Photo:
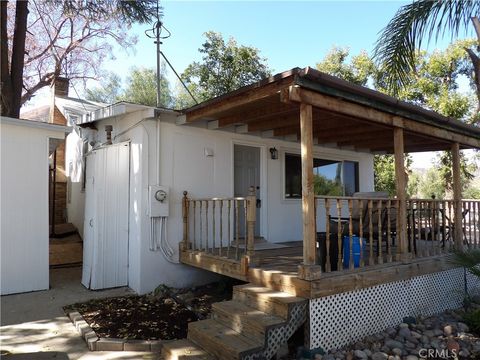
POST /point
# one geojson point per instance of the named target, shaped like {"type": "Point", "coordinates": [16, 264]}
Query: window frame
{"type": "Point", "coordinates": [318, 156]}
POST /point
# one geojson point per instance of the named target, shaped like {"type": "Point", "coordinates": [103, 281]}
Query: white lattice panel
{"type": "Point", "coordinates": [340, 319]}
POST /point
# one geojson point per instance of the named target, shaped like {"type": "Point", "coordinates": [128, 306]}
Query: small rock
{"type": "Point", "coordinates": [359, 354]}
{"type": "Point", "coordinates": [429, 333]}
{"type": "Point", "coordinates": [394, 344]}
{"type": "Point", "coordinates": [397, 351]}
{"type": "Point", "coordinates": [452, 345]}
{"type": "Point", "coordinates": [379, 356]}
{"type": "Point", "coordinates": [391, 331]}
{"type": "Point", "coordinates": [368, 352]}
{"type": "Point", "coordinates": [409, 320]}
{"type": "Point", "coordinates": [415, 334]}
{"type": "Point", "coordinates": [410, 345]}
{"type": "Point", "coordinates": [437, 332]}
{"type": "Point", "coordinates": [403, 326]}
{"type": "Point", "coordinates": [464, 353]}
{"type": "Point", "coordinates": [319, 357]}
{"type": "Point", "coordinates": [462, 327]}
{"type": "Point", "coordinates": [404, 332]}
{"type": "Point", "coordinates": [359, 346]}
{"type": "Point", "coordinates": [411, 357]}
{"type": "Point", "coordinates": [447, 330]}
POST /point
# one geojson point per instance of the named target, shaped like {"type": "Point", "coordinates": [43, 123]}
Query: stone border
{"type": "Point", "coordinates": [95, 343]}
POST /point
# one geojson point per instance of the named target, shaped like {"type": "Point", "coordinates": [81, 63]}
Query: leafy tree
{"type": "Point", "coordinates": [109, 90]}
{"type": "Point", "coordinates": [225, 66]}
{"type": "Point", "coordinates": [142, 88]}
{"type": "Point", "coordinates": [46, 39]}
{"type": "Point", "coordinates": [400, 40]}
{"type": "Point", "coordinates": [360, 69]}
{"type": "Point", "coordinates": [431, 185]}
{"type": "Point", "coordinates": [328, 187]}
{"type": "Point", "coordinates": [434, 86]}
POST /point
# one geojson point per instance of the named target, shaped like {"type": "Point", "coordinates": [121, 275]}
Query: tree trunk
{"type": "Point", "coordinates": [18, 56]}
{"type": "Point", "coordinates": [6, 85]}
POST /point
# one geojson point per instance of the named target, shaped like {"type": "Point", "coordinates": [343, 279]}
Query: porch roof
{"type": "Point", "coordinates": [344, 115]}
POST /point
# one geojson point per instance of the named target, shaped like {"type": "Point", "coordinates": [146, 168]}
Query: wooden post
{"type": "Point", "coordinates": [184, 245]}
{"type": "Point", "coordinates": [400, 185]}
{"type": "Point", "coordinates": [251, 218]}
{"type": "Point", "coordinates": [457, 196]}
{"type": "Point", "coordinates": [309, 270]}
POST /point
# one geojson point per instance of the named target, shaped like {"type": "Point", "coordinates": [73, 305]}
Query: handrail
{"type": "Point", "coordinates": [217, 226]}
{"type": "Point", "coordinates": [217, 199]}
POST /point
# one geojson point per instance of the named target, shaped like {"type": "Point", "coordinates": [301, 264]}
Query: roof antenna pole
{"type": "Point", "coordinates": [158, 26]}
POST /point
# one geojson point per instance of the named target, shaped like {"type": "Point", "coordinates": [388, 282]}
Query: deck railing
{"type": "Point", "coordinates": [222, 227]}
{"type": "Point", "coordinates": [358, 232]}
{"type": "Point", "coordinates": [354, 232]}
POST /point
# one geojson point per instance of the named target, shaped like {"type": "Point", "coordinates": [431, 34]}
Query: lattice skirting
{"type": "Point", "coordinates": [340, 319]}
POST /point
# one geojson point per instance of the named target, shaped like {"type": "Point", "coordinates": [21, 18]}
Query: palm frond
{"type": "Point", "coordinates": [413, 23]}
{"type": "Point", "coordinates": [469, 260]}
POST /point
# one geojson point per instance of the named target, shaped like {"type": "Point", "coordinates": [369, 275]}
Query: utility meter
{"type": "Point", "coordinates": [160, 195]}
{"type": "Point", "coordinates": [158, 201]}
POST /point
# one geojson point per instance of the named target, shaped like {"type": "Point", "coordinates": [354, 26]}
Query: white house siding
{"type": "Point", "coordinates": [24, 204]}
{"type": "Point", "coordinates": [184, 166]}
{"type": "Point", "coordinates": [74, 172]}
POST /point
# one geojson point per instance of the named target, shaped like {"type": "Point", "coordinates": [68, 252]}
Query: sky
{"type": "Point", "coordinates": [288, 33]}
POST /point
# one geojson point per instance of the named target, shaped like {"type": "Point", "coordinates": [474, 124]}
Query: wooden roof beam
{"type": "Point", "coordinates": [347, 135]}
{"type": "Point", "coordinates": [257, 114]}
{"type": "Point", "coordinates": [297, 94]}
{"type": "Point", "coordinates": [211, 109]}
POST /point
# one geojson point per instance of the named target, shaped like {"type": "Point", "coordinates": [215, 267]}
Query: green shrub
{"type": "Point", "coordinates": [472, 319]}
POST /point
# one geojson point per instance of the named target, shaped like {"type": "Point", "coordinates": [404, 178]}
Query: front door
{"type": "Point", "coordinates": [246, 174]}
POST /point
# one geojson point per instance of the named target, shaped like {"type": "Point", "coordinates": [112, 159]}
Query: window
{"type": "Point", "coordinates": [331, 177]}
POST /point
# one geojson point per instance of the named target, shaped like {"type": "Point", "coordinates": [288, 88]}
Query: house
{"type": "Point", "coordinates": [25, 149]}
{"type": "Point", "coordinates": [273, 184]}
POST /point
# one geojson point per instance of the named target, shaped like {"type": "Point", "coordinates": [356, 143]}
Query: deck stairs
{"type": "Point", "coordinates": [253, 325]}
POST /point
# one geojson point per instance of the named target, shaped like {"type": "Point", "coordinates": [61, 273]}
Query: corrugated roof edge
{"type": "Point", "coordinates": [405, 108]}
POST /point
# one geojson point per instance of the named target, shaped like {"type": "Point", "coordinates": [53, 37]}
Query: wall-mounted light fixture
{"type": "Point", "coordinates": [273, 153]}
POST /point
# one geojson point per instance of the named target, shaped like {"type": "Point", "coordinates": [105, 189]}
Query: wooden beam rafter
{"type": "Point", "coordinates": [359, 111]}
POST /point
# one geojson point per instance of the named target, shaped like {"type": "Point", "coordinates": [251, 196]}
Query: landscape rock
{"type": "Point", "coordinates": [379, 356]}
{"type": "Point", "coordinates": [359, 354]}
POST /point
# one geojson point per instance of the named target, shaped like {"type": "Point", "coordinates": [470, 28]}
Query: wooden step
{"type": "Point", "coordinates": [244, 319]}
{"type": "Point", "coordinates": [222, 341]}
{"type": "Point", "coordinates": [266, 300]}
{"type": "Point", "coordinates": [184, 350]}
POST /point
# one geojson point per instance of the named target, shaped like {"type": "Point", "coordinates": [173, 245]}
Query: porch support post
{"type": "Point", "coordinates": [457, 196]}
{"type": "Point", "coordinates": [400, 185]}
{"type": "Point", "coordinates": [309, 270]}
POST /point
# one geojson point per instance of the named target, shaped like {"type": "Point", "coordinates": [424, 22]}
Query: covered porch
{"type": "Point", "coordinates": [348, 242]}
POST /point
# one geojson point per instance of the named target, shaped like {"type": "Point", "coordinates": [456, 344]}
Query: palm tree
{"type": "Point", "coordinates": [423, 19]}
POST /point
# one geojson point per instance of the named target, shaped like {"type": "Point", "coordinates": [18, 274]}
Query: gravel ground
{"type": "Point", "coordinates": [443, 336]}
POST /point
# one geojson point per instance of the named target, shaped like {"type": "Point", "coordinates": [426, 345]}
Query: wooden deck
{"type": "Point", "coordinates": [277, 269]}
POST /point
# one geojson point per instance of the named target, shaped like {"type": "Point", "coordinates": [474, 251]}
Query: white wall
{"type": "Point", "coordinates": [184, 166]}
{"type": "Point", "coordinates": [24, 206]}
{"type": "Point", "coordinates": [74, 172]}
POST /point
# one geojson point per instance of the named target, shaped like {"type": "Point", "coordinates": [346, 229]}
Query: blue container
{"type": "Point", "coordinates": [358, 246]}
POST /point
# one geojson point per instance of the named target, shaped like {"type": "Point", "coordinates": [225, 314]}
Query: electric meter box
{"type": "Point", "coordinates": [158, 200]}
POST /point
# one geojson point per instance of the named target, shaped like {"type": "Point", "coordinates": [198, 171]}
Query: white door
{"type": "Point", "coordinates": [247, 173]}
{"type": "Point", "coordinates": [106, 218]}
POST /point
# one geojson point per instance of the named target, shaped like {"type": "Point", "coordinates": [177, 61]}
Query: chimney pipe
{"type": "Point", "coordinates": [108, 130]}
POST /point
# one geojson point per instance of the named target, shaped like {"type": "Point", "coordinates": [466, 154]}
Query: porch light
{"type": "Point", "coordinates": [273, 153]}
